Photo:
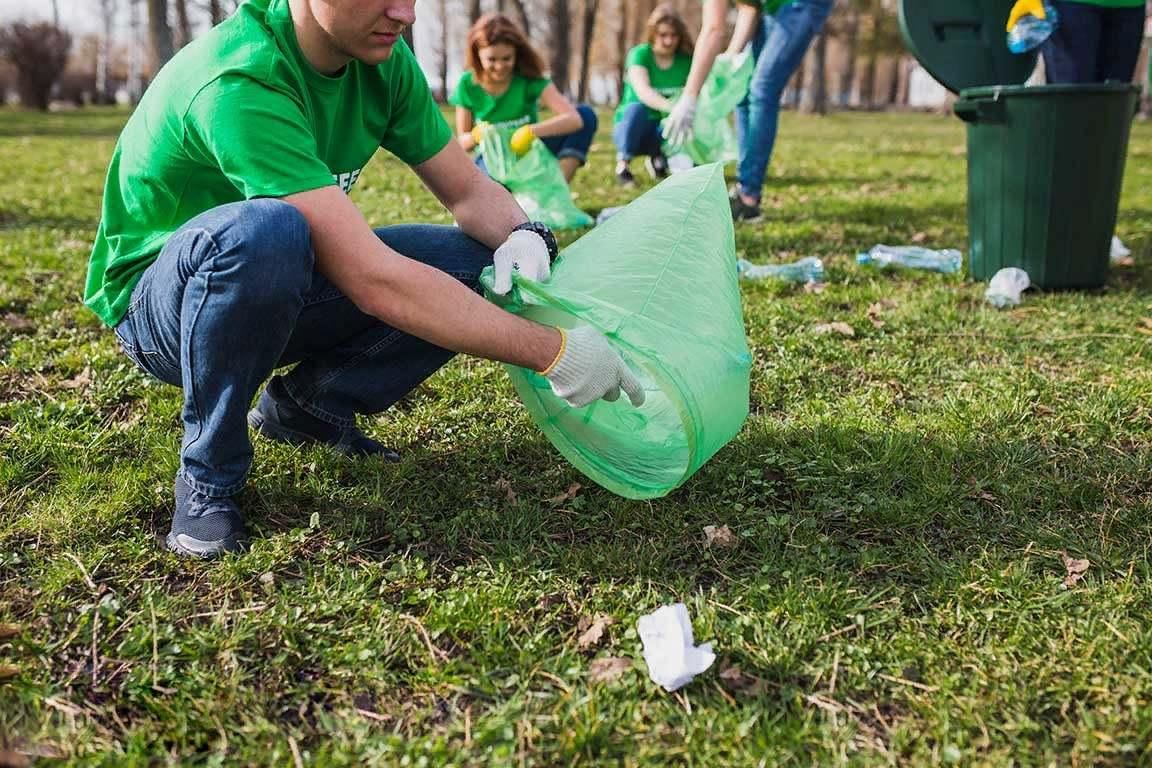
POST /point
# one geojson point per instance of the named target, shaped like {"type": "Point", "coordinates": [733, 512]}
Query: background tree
{"type": "Point", "coordinates": [561, 53]}
{"type": "Point", "coordinates": [587, 36]}
{"type": "Point", "coordinates": [159, 33]}
{"type": "Point", "coordinates": [38, 53]}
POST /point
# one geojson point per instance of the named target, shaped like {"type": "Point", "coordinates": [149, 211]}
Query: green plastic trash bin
{"type": "Point", "coordinates": [1045, 163]}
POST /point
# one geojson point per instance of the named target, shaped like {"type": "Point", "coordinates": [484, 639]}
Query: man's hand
{"type": "Point", "coordinates": [523, 252]}
{"type": "Point", "coordinates": [587, 369]}
{"type": "Point", "coordinates": [679, 126]}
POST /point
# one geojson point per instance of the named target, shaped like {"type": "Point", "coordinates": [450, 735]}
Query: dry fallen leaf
{"type": "Point", "coordinates": [17, 322]}
{"type": "Point", "coordinates": [607, 669]}
{"type": "Point", "coordinates": [8, 671]}
{"type": "Point", "coordinates": [814, 287]}
{"type": "Point", "coordinates": [568, 495]}
{"type": "Point", "coordinates": [1075, 569]}
{"type": "Point", "coordinates": [919, 237]}
{"type": "Point", "coordinates": [504, 484]}
{"type": "Point", "coordinates": [839, 327]}
{"type": "Point", "coordinates": [735, 679]}
{"type": "Point", "coordinates": [720, 537]}
{"type": "Point", "coordinates": [592, 631]}
{"type": "Point", "coordinates": [8, 631]}
{"type": "Point", "coordinates": [1123, 261]}
{"type": "Point", "coordinates": [874, 312]}
{"type": "Point", "coordinates": [80, 380]}
{"type": "Point", "coordinates": [10, 759]}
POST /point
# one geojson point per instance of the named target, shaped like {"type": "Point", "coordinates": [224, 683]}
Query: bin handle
{"type": "Point", "coordinates": [980, 110]}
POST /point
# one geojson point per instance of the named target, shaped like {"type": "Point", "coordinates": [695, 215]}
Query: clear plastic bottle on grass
{"type": "Point", "coordinates": [807, 270]}
{"type": "Point", "coordinates": [914, 257]}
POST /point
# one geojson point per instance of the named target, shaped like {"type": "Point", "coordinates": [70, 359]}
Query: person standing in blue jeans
{"type": "Point", "coordinates": [504, 87]}
{"type": "Point", "coordinates": [654, 74]}
{"type": "Point", "coordinates": [780, 32]}
{"type": "Point", "coordinates": [228, 247]}
{"type": "Point", "coordinates": [1095, 41]}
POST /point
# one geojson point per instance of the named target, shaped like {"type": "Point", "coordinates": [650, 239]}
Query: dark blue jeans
{"type": "Point", "coordinates": [1093, 44]}
{"type": "Point", "coordinates": [637, 133]}
{"type": "Point", "coordinates": [778, 47]}
{"type": "Point", "coordinates": [575, 144]}
{"type": "Point", "coordinates": [234, 294]}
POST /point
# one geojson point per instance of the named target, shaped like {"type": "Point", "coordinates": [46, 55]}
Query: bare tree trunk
{"type": "Point", "coordinates": [590, 8]}
{"type": "Point", "coordinates": [183, 27]}
{"type": "Point", "coordinates": [104, 54]}
{"type": "Point", "coordinates": [561, 44]}
{"type": "Point", "coordinates": [522, 14]}
{"type": "Point", "coordinates": [215, 12]}
{"type": "Point", "coordinates": [815, 97]}
{"type": "Point", "coordinates": [159, 33]}
{"type": "Point", "coordinates": [444, 44]}
{"type": "Point", "coordinates": [851, 48]}
{"type": "Point", "coordinates": [56, 13]}
{"type": "Point", "coordinates": [868, 81]}
{"type": "Point", "coordinates": [474, 11]}
{"type": "Point", "coordinates": [135, 53]}
{"type": "Point", "coordinates": [797, 83]}
{"type": "Point", "coordinates": [622, 45]}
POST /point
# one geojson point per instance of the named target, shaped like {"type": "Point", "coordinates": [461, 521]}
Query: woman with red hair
{"type": "Point", "coordinates": [505, 86]}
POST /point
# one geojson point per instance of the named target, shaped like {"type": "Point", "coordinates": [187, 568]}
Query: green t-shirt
{"type": "Point", "coordinates": [519, 105]}
{"type": "Point", "coordinates": [238, 114]}
{"type": "Point", "coordinates": [667, 82]}
{"type": "Point", "coordinates": [767, 6]}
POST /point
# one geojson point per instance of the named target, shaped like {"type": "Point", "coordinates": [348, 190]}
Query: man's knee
{"type": "Point", "coordinates": [268, 240]}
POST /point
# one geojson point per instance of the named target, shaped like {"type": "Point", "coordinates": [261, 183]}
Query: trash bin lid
{"type": "Point", "coordinates": [962, 43]}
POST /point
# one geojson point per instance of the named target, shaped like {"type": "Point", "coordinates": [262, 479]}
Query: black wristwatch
{"type": "Point", "coordinates": [546, 235]}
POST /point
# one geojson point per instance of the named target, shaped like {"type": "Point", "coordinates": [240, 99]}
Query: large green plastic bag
{"type": "Point", "coordinates": [713, 137]}
{"type": "Point", "coordinates": [535, 180]}
{"type": "Point", "coordinates": [659, 280]}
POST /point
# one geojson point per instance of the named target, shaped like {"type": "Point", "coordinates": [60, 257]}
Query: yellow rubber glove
{"type": "Point", "coordinates": [521, 141]}
{"type": "Point", "coordinates": [478, 132]}
{"type": "Point", "coordinates": [1025, 8]}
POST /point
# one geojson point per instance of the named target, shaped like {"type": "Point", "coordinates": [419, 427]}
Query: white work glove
{"type": "Point", "coordinates": [523, 252]}
{"type": "Point", "coordinates": [679, 125]}
{"type": "Point", "coordinates": [588, 369]}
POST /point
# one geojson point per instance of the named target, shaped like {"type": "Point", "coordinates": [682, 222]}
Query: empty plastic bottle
{"type": "Point", "coordinates": [1030, 32]}
{"type": "Point", "coordinates": [807, 270]}
{"type": "Point", "coordinates": [948, 260]}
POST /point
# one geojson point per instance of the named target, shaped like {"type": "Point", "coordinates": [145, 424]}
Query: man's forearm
{"type": "Point", "coordinates": [425, 302]}
{"type": "Point", "coordinates": [489, 214]}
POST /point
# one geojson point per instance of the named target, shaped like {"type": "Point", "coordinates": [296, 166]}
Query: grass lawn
{"type": "Point", "coordinates": [902, 500]}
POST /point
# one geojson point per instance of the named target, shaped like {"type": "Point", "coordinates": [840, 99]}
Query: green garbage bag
{"type": "Point", "coordinates": [659, 280]}
{"type": "Point", "coordinates": [535, 180]}
{"type": "Point", "coordinates": [713, 137]}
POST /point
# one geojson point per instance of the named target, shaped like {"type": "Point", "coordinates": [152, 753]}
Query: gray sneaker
{"type": "Point", "coordinates": [204, 526]}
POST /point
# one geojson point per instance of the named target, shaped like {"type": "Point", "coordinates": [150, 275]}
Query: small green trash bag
{"type": "Point", "coordinates": [713, 138]}
{"type": "Point", "coordinates": [535, 180]}
{"type": "Point", "coordinates": [659, 280]}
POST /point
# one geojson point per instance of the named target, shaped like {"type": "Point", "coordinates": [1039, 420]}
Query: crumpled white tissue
{"type": "Point", "coordinates": [1119, 251]}
{"type": "Point", "coordinates": [672, 657]}
{"type": "Point", "coordinates": [1006, 287]}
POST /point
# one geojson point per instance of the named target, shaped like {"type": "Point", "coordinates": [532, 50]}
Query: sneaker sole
{"type": "Point", "coordinates": [182, 544]}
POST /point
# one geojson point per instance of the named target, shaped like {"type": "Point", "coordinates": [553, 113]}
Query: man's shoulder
{"type": "Point", "coordinates": [242, 46]}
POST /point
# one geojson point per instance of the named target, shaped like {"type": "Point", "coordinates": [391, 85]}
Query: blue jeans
{"type": "Point", "coordinates": [1093, 44]}
{"type": "Point", "coordinates": [637, 133]}
{"type": "Point", "coordinates": [574, 144]}
{"type": "Point", "coordinates": [234, 294]}
{"type": "Point", "coordinates": [778, 47]}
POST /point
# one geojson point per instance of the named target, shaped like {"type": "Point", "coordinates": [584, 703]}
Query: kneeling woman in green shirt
{"type": "Point", "coordinates": [505, 86]}
{"type": "Point", "coordinates": [655, 73]}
